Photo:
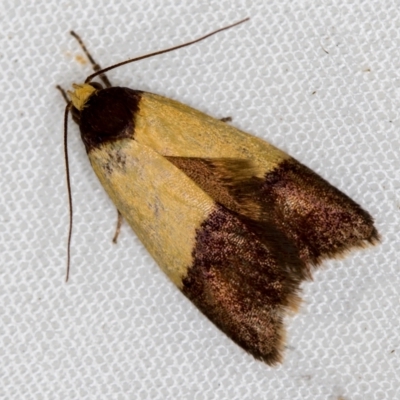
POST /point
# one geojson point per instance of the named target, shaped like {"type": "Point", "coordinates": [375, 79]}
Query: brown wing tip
{"type": "Point", "coordinates": [341, 252]}
{"type": "Point", "coordinates": [375, 237]}
{"type": "Point", "coordinates": [275, 355]}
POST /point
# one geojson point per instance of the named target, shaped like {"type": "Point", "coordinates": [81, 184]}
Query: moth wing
{"type": "Point", "coordinates": [242, 284]}
{"type": "Point", "coordinates": [318, 218]}
{"type": "Point", "coordinates": [231, 182]}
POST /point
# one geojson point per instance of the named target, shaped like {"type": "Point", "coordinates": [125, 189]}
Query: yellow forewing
{"type": "Point", "coordinates": [174, 129]}
{"type": "Point", "coordinates": [161, 204]}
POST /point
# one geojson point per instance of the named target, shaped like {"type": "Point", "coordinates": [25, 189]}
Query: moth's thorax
{"type": "Point", "coordinates": [104, 115]}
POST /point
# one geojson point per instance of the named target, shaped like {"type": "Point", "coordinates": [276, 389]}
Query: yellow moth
{"type": "Point", "coordinates": [233, 221]}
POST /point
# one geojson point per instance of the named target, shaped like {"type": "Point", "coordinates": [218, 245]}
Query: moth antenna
{"type": "Point", "coordinates": [63, 93]}
{"type": "Point", "coordinates": [95, 65]}
{"type": "Point", "coordinates": [67, 108]}
{"type": "Point", "coordinates": [102, 71]}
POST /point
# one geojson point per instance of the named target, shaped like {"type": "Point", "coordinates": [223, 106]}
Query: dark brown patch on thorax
{"type": "Point", "coordinates": [108, 115]}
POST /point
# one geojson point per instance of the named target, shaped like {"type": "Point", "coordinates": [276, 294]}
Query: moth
{"type": "Point", "coordinates": [234, 222]}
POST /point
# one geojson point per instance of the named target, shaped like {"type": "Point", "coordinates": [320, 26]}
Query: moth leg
{"type": "Point", "coordinates": [226, 119]}
{"type": "Point", "coordinates": [118, 228]}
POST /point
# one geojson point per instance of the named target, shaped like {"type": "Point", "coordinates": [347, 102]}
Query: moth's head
{"type": "Point", "coordinates": [80, 95]}
{"type": "Point", "coordinates": [104, 115]}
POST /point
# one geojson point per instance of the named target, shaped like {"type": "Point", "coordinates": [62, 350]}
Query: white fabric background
{"type": "Point", "coordinates": [319, 79]}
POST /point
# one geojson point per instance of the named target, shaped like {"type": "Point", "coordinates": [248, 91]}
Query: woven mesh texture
{"type": "Point", "coordinates": [319, 79]}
